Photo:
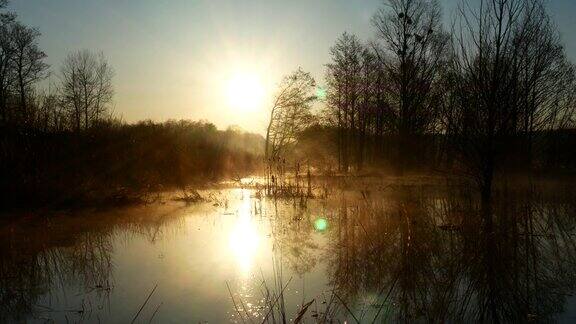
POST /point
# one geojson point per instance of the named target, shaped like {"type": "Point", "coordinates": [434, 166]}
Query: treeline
{"type": "Point", "coordinates": [116, 161]}
{"type": "Point", "coordinates": [496, 86]}
{"type": "Point", "coordinates": [495, 93]}
{"type": "Point", "coordinates": [60, 143]}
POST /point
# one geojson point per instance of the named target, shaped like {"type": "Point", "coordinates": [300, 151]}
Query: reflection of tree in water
{"type": "Point", "coordinates": [417, 256]}
{"type": "Point", "coordinates": [292, 234]}
{"type": "Point", "coordinates": [39, 257]}
{"type": "Point", "coordinates": [521, 258]}
{"type": "Point", "coordinates": [31, 269]}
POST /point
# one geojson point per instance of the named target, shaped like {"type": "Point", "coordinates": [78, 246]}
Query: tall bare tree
{"type": "Point", "coordinates": [86, 86]}
{"type": "Point", "coordinates": [345, 80]}
{"type": "Point", "coordinates": [28, 61]}
{"type": "Point", "coordinates": [413, 48]}
{"type": "Point", "coordinates": [21, 65]}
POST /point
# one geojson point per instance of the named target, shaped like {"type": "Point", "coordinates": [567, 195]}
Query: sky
{"type": "Point", "coordinates": [178, 59]}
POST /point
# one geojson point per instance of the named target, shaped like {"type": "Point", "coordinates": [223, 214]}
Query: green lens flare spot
{"type": "Point", "coordinates": [321, 224]}
{"type": "Point", "coordinates": [320, 93]}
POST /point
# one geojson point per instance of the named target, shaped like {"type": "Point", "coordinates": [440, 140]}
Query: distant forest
{"type": "Point", "coordinates": [494, 93]}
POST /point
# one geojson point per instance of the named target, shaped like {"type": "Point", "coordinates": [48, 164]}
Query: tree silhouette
{"type": "Point", "coordinates": [86, 86]}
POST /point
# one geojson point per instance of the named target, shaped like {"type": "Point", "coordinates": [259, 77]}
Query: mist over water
{"type": "Point", "coordinates": [411, 253]}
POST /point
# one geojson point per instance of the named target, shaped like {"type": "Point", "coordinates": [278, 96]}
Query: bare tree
{"type": "Point", "coordinates": [290, 113]}
{"type": "Point", "coordinates": [509, 77]}
{"type": "Point", "coordinates": [289, 116]}
{"type": "Point", "coordinates": [28, 62]}
{"type": "Point", "coordinates": [6, 60]}
{"type": "Point", "coordinates": [21, 64]}
{"type": "Point", "coordinates": [546, 80]}
{"type": "Point", "coordinates": [483, 109]}
{"type": "Point", "coordinates": [413, 48]}
{"type": "Point", "coordinates": [86, 86]}
{"type": "Point", "coordinates": [345, 80]}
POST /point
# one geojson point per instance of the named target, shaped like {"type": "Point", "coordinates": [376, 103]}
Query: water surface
{"type": "Point", "coordinates": [405, 253]}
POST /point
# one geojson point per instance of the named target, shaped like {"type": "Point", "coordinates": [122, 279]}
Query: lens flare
{"type": "Point", "coordinates": [321, 224]}
{"type": "Point", "coordinates": [320, 93]}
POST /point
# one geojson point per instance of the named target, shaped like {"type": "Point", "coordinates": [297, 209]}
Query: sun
{"type": "Point", "coordinates": [245, 92]}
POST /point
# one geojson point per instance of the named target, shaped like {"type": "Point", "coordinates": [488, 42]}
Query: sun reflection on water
{"type": "Point", "coordinates": [244, 240]}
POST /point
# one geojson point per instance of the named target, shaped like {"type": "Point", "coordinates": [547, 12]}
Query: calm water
{"type": "Point", "coordinates": [406, 253]}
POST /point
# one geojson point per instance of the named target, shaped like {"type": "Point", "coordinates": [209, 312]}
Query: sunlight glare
{"type": "Point", "coordinates": [245, 92]}
{"type": "Point", "coordinates": [244, 239]}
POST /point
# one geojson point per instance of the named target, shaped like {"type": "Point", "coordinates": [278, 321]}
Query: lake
{"type": "Point", "coordinates": [360, 250]}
